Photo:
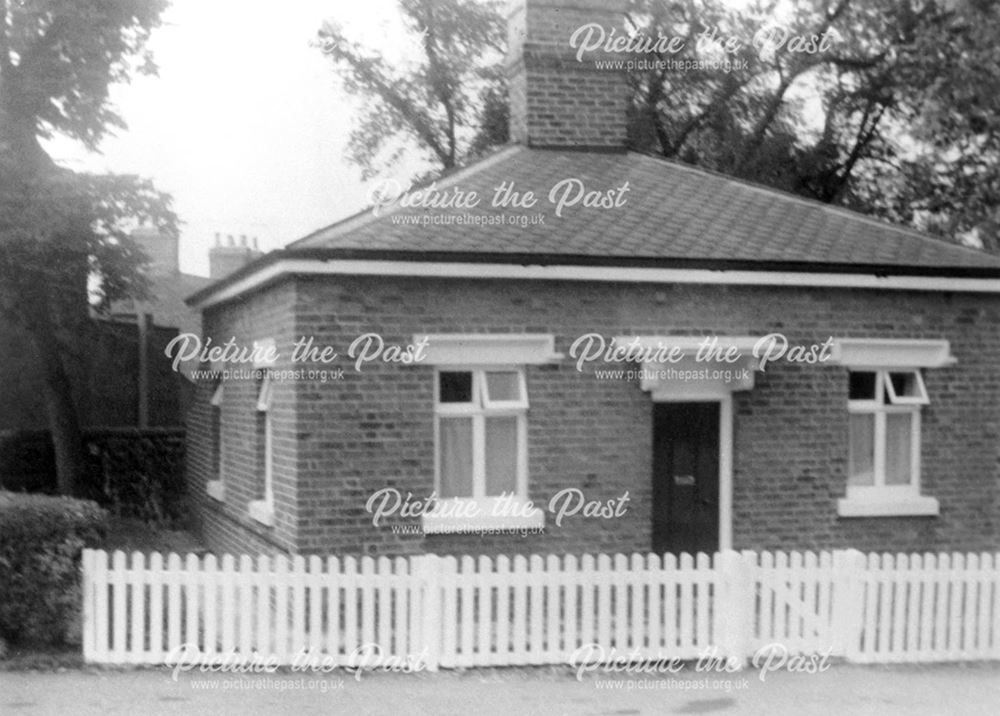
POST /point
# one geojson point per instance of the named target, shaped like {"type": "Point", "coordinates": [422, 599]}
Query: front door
{"type": "Point", "coordinates": [685, 477]}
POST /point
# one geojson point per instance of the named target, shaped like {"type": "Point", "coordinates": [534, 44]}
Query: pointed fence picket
{"type": "Point", "coordinates": [459, 612]}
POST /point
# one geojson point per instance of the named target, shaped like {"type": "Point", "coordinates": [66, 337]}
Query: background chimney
{"type": "Point", "coordinates": [555, 100]}
{"type": "Point", "coordinates": [161, 250]}
{"type": "Point", "coordinates": [227, 256]}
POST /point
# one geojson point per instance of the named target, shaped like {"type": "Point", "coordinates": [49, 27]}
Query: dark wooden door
{"type": "Point", "coordinates": [685, 477]}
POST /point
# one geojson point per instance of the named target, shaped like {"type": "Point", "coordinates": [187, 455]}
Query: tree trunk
{"type": "Point", "coordinates": [57, 392]}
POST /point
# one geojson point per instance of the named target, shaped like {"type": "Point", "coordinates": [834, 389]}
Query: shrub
{"type": "Point", "coordinates": [138, 473]}
{"type": "Point", "coordinates": [41, 539]}
{"type": "Point", "coordinates": [133, 472]}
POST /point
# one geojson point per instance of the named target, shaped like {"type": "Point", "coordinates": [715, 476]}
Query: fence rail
{"type": "Point", "coordinates": [451, 612]}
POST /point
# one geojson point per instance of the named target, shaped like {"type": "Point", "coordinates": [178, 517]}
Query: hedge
{"type": "Point", "coordinates": [41, 539]}
{"type": "Point", "coordinates": [133, 472]}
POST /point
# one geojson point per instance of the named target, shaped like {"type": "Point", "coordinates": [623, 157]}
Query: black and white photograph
{"type": "Point", "coordinates": [499, 357]}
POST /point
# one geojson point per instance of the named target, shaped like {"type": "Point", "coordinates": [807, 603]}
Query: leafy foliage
{"type": "Point", "coordinates": [895, 117]}
{"type": "Point", "coordinates": [41, 539]}
{"type": "Point", "coordinates": [59, 57]}
{"type": "Point", "coordinates": [435, 99]}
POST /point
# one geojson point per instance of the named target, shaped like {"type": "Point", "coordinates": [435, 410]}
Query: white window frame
{"type": "Point", "coordinates": [216, 488]}
{"type": "Point", "coordinates": [263, 510]}
{"type": "Point", "coordinates": [478, 410]}
{"type": "Point", "coordinates": [880, 499]}
{"type": "Point", "coordinates": [919, 399]}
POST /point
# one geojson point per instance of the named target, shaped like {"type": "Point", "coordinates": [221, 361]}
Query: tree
{"type": "Point", "coordinates": [59, 229]}
{"type": "Point", "coordinates": [896, 114]}
{"type": "Point", "coordinates": [948, 181]}
{"type": "Point", "coordinates": [450, 102]}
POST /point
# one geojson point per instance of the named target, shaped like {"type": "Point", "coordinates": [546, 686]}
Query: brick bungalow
{"type": "Point", "coordinates": [888, 440]}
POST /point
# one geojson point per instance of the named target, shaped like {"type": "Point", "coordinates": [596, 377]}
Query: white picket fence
{"type": "Point", "coordinates": [430, 611]}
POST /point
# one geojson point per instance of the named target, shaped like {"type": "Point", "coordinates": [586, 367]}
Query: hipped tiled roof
{"type": "Point", "coordinates": [671, 211]}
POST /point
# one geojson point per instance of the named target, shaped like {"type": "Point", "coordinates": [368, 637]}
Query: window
{"type": "Point", "coordinates": [215, 487]}
{"type": "Point", "coordinates": [481, 446]}
{"type": "Point", "coordinates": [262, 510]}
{"type": "Point", "coordinates": [883, 467]}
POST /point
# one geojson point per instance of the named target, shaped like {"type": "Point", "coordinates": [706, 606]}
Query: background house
{"type": "Point", "coordinates": [891, 444]}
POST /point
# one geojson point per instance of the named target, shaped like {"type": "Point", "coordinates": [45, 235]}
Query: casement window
{"type": "Point", "coordinates": [262, 509]}
{"type": "Point", "coordinates": [886, 394]}
{"type": "Point", "coordinates": [883, 467]}
{"type": "Point", "coordinates": [482, 418]}
{"type": "Point", "coordinates": [482, 433]}
{"type": "Point", "coordinates": [215, 486]}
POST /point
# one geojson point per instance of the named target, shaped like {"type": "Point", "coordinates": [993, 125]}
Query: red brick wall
{"type": "Point", "coordinates": [226, 525]}
{"type": "Point", "coordinates": [374, 429]}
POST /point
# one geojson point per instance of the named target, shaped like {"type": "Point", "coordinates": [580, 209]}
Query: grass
{"type": "Point", "coordinates": [50, 658]}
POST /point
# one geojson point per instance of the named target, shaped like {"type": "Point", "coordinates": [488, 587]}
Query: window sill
{"type": "Point", "coordinates": [894, 507]}
{"type": "Point", "coordinates": [459, 516]}
{"type": "Point", "coordinates": [216, 489]}
{"type": "Point", "coordinates": [261, 511]}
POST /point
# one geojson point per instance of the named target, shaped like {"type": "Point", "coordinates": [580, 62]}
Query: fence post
{"type": "Point", "coordinates": [739, 601]}
{"type": "Point", "coordinates": [88, 604]}
{"type": "Point", "coordinates": [848, 601]}
{"type": "Point", "coordinates": [428, 570]}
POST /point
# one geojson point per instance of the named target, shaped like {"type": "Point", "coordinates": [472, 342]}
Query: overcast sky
{"type": "Point", "coordinates": [245, 125]}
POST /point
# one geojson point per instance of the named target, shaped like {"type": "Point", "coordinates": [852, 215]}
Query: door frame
{"type": "Point", "coordinates": [725, 401]}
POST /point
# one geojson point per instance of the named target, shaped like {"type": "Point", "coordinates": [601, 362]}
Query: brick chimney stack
{"type": "Point", "coordinates": [161, 250]}
{"type": "Point", "coordinates": [557, 101]}
{"type": "Point", "coordinates": [230, 254]}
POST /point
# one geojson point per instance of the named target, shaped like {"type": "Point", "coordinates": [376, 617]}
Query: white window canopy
{"type": "Point", "coordinates": [264, 352]}
{"type": "Point", "coordinates": [489, 348]}
{"type": "Point", "coordinates": [691, 378]}
{"type": "Point", "coordinates": [264, 395]}
{"type": "Point", "coordinates": [891, 353]}
{"type": "Point", "coordinates": [689, 345]}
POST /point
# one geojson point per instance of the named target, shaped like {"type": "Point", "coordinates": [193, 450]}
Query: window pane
{"type": "Point", "coordinates": [898, 434]}
{"type": "Point", "coordinates": [908, 385]}
{"type": "Point", "coordinates": [501, 456]}
{"type": "Point", "coordinates": [862, 386]}
{"type": "Point", "coordinates": [503, 386]}
{"type": "Point", "coordinates": [861, 465]}
{"type": "Point", "coordinates": [456, 387]}
{"type": "Point", "coordinates": [455, 444]}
